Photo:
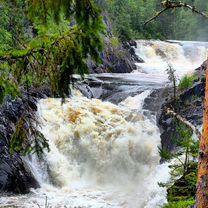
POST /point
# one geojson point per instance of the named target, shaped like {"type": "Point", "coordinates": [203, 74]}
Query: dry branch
{"type": "Point", "coordinates": [172, 5]}
{"type": "Point", "coordinates": [183, 120]}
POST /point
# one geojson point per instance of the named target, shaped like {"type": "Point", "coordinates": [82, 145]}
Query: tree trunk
{"type": "Point", "coordinates": [202, 184]}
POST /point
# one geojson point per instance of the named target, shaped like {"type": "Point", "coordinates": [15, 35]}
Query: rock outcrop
{"type": "Point", "coordinates": [117, 57]}
{"type": "Point", "coordinates": [189, 105]}
{"type": "Point", "coordinates": [15, 174]}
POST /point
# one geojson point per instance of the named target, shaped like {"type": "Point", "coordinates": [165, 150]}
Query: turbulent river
{"type": "Point", "coordinates": [104, 148]}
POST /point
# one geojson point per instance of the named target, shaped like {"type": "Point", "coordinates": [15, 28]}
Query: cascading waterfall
{"type": "Point", "coordinates": [105, 155]}
{"type": "Point", "coordinates": [102, 155]}
{"type": "Point", "coordinates": [183, 56]}
{"type": "Point", "coordinates": [96, 145]}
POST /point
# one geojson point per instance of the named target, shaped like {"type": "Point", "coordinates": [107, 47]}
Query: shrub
{"type": "Point", "coordinates": [187, 81]}
{"type": "Point", "coordinates": [114, 42]}
{"type": "Point", "coordinates": [181, 204]}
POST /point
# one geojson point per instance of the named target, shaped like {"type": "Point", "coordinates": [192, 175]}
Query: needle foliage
{"type": "Point", "coordinates": [46, 42]}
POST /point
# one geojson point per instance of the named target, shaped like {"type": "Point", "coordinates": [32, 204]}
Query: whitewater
{"type": "Point", "coordinates": [105, 154]}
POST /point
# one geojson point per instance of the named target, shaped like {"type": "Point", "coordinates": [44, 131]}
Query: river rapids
{"type": "Point", "coordinates": [104, 153]}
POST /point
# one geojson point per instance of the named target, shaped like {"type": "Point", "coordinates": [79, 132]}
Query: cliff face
{"type": "Point", "coordinates": [117, 57]}
{"type": "Point", "coordinates": [15, 175]}
{"type": "Point", "coordinates": [189, 106]}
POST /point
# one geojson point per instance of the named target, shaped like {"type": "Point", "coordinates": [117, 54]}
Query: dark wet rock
{"type": "Point", "coordinates": [115, 59]}
{"type": "Point", "coordinates": [132, 43]}
{"type": "Point", "coordinates": [110, 89]}
{"type": "Point", "coordinates": [155, 104]}
{"type": "Point", "coordinates": [189, 105]}
{"type": "Point", "coordinates": [113, 88]}
{"type": "Point", "coordinates": [15, 174]}
{"type": "Point", "coordinates": [130, 46]}
{"type": "Point", "coordinates": [156, 99]}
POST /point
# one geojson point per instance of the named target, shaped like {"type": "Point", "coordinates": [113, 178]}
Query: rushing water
{"type": "Point", "coordinates": [184, 57]}
{"type": "Point", "coordinates": [105, 155]}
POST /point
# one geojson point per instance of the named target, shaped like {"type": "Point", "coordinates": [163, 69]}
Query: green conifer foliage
{"type": "Point", "coordinates": [65, 34]}
{"type": "Point", "coordinates": [55, 55]}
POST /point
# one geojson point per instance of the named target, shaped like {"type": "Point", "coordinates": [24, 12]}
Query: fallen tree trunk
{"type": "Point", "coordinates": [184, 121]}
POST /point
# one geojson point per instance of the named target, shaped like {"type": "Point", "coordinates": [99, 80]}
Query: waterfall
{"type": "Point", "coordinates": [105, 155]}
{"type": "Point", "coordinates": [100, 146]}
{"type": "Point", "coordinates": [101, 155]}
{"type": "Point", "coordinates": [184, 56]}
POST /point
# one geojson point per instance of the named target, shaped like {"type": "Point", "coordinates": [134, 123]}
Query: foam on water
{"type": "Point", "coordinates": [102, 155]}
{"type": "Point", "coordinates": [183, 56]}
{"type": "Point", "coordinates": [105, 155]}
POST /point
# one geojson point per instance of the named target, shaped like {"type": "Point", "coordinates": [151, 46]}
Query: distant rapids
{"type": "Point", "coordinates": [184, 57]}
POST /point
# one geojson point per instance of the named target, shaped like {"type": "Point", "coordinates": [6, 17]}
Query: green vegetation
{"type": "Point", "coordinates": [128, 17]}
{"type": "Point", "coordinates": [182, 186]}
{"type": "Point", "coordinates": [187, 81]}
{"type": "Point", "coordinates": [172, 78]}
{"type": "Point", "coordinates": [54, 44]}
{"type": "Point", "coordinates": [44, 43]}
{"type": "Point", "coordinates": [181, 204]}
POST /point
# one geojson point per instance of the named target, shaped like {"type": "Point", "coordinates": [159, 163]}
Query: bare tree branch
{"type": "Point", "coordinates": [167, 4]}
{"type": "Point", "coordinates": [157, 15]}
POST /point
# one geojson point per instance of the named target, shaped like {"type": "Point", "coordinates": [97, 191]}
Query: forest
{"type": "Point", "coordinates": [85, 87]}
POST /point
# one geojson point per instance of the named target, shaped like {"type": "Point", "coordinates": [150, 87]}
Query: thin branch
{"type": "Point", "coordinates": [172, 5]}
{"type": "Point", "coordinates": [157, 15]}
{"type": "Point", "coordinates": [183, 120]}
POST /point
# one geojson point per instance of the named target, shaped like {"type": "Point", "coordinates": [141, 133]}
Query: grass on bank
{"type": "Point", "coordinates": [181, 204]}
{"type": "Point", "coordinates": [187, 81]}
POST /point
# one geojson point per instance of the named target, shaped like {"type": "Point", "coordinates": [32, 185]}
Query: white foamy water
{"type": "Point", "coordinates": [102, 156]}
{"type": "Point", "coordinates": [183, 56]}
{"type": "Point", "coordinates": [105, 155]}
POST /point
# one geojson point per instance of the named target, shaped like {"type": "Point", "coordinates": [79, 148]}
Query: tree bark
{"type": "Point", "coordinates": [202, 183]}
